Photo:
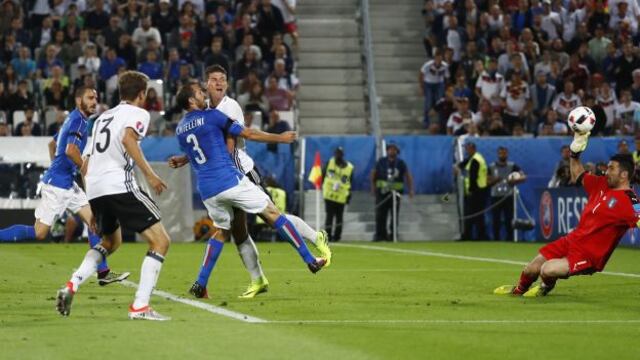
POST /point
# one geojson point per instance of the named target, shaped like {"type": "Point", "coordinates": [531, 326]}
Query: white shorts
{"type": "Point", "coordinates": [245, 196]}
{"type": "Point", "coordinates": [56, 200]}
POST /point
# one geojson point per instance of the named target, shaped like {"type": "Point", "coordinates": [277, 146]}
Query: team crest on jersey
{"type": "Point", "coordinates": [139, 127]}
{"type": "Point", "coordinates": [612, 202]}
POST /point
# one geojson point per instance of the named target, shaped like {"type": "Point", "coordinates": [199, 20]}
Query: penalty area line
{"type": "Point", "coordinates": [201, 305]}
{"type": "Point", "coordinates": [464, 257]}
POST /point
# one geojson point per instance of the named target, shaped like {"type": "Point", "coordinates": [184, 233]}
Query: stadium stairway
{"type": "Point", "coordinates": [425, 217]}
{"type": "Point", "coordinates": [397, 31]}
{"type": "Point", "coordinates": [331, 96]}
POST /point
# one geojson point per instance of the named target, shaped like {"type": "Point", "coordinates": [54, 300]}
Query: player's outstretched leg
{"type": "Point", "coordinates": [16, 233]}
{"type": "Point", "coordinates": [549, 274]}
{"type": "Point", "coordinates": [88, 267]}
{"type": "Point", "coordinates": [527, 277]}
{"type": "Point", "coordinates": [319, 239]}
{"type": "Point", "coordinates": [105, 275]}
{"type": "Point", "coordinates": [249, 255]}
{"type": "Point", "coordinates": [288, 231]}
{"type": "Point", "coordinates": [211, 255]}
{"type": "Point", "coordinates": [158, 240]}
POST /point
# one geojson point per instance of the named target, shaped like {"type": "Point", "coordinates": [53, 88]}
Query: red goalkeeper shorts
{"type": "Point", "coordinates": [580, 262]}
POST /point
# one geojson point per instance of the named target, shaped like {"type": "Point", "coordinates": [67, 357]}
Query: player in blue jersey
{"type": "Point", "coordinates": [58, 189]}
{"type": "Point", "coordinates": [202, 136]}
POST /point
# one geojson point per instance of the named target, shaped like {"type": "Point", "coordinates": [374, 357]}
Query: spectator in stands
{"type": "Point", "coordinates": [490, 84]}
{"type": "Point", "coordinates": [54, 127]}
{"type": "Point", "coordinates": [210, 30]}
{"type": "Point", "coordinates": [98, 19]}
{"type": "Point", "coordinates": [153, 101]}
{"type": "Point", "coordinates": [90, 59]}
{"type": "Point", "coordinates": [10, 79]}
{"type": "Point", "coordinates": [187, 49]}
{"type": "Point", "coordinates": [461, 89]}
{"type": "Point", "coordinates": [624, 20]}
{"type": "Point", "coordinates": [577, 73]}
{"type": "Point", "coordinates": [152, 67]}
{"type": "Point", "coordinates": [255, 100]}
{"type": "Point", "coordinates": [132, 12]}
{"type": "Point", "coordinates": [276, 125]}
{"type": "Point", "coordinates": [248, 43]}
{"type": "Point", "coordinates": [79, 46]}
{"type": "Point", "coordinates": [270, 20]}
{"type": "Point", "coordinates": [515, 97]}
{"type": "Point", "coordinates": [215, 56]}
{"type": "Point", "coordinates": [71, 30]}
{"type": "Point", "coordinates": [144, 32]}
{"type": "Point", "coordinates": [624, 65]}
{"type": "Point", "coordinates": [172, 67]}
{"type": "Point", "coordinates": [566, 101]}
{"type": "Point", "coordinates": [112, 33]}
{"type": "Point", "coordinates": [288, 10]}
{"type": "Point", "coordinates": [496, 127]}
{"type": "Point", "coordinates": [457, 120]}
{"type": "Point", "coordinates": [623, 147]}
{"type": "Point", "coordinates": [278, 98]}
{"type": "Point", "coordinates": [57, 74]}
{"type": "Point", "coordinates": [249, 120]}
{"type": "Point", "coordinates": [29, 127]}
{"type": "Point", "coordinates": [542, 94]}
{"type": "Point", "coordinates": [187, 28]}
{"type": "Point", "coordinates": [4, 97]}
{"type": "Point", "coordinates": [432, 79]}
{"type": "Point", "coordinates": [56, 96]}
{"type": "Point", "coordinates": [4, 128]}
{"type": "Point", "coordinates": [554, 125]}
{"type": "Point", "coordinates": [598, 46]}
{"type": "Point", "coordinates": [247, 63]}
{"type": "Point", "coordinates": [164, 19]}
{"type": "Point", "coordinates": [624, 114]}
{"type": "Point", "coordinates": [42, 35]}
{"type": "Point", "coordinates": [110, 64]}
{"type": "Point", "coordinates": [22, 98]}
{"type": "Point", "coordinates": [24, 66]}
{"type": "Point", "coordinates": [49, 61]}
{"type": "Point", "coordinates": [286, 81]}
{"type": "Point", "coordinates": [606, 98]}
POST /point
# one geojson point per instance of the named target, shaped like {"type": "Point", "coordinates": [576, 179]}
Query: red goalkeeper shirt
{"type": "Point", "coordinates": [605, 219]}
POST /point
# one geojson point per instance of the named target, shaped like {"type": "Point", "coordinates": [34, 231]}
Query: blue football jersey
{"type": "Point", "coordinates": [201, 135]}
{"type": "Point", "coordinates": [63, 170]}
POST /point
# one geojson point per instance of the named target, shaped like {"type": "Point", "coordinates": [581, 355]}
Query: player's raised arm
{"type": "Point", "coordinates": [130, 143]}
{"type": "Point", "coordinates": [178, 161]}
{"type": "Point", "coordinates": [286, 137]}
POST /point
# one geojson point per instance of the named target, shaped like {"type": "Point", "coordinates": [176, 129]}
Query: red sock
{"type": "Point", "coordinates": [524, 283]}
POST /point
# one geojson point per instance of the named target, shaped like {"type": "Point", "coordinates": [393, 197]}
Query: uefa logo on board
{"type": "Point", "coordinates": [546, 215]}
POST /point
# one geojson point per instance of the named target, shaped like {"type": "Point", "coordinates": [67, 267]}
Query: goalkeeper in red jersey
{"type": "Point", "coordinates": [612, 209]}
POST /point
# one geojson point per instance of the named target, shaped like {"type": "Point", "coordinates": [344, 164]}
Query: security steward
{"type": "Point", "coordinates": [336, 190]}
{"type": "Point", "coordinates": [503, 175]}
{"type": "Point", "coordinates": [388, 176]}
{"type": "Point", "coordinates": [475, 193]}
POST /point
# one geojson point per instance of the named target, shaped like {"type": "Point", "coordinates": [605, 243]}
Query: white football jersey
{"type": "Point", "coordinates": [232, 109]}
{"type": "Point", "coordinates": [110, 168]}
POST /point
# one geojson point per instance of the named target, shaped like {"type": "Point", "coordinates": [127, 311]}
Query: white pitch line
{"type": "Point", "coordinates": [457, 322]}
{"type": "Point", "coordinates": [200, 305]}
{"type": "Point", "coordinates": [463, 257]}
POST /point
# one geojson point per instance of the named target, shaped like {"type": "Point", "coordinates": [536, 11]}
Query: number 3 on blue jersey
{"type": "Point", "coordinates": [199, 155]}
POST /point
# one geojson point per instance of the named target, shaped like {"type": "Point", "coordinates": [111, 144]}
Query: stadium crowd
{"type": "Point", "coordinates": [517, 67]}
{"type": "Point", "coordinates": [50, 47]}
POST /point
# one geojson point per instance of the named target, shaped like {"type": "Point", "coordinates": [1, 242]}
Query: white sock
{"type": "Point", "coordinates": [88, 267]}
{"type": "Point", "coordinates": [249, 255]}
{"type": "Point", "coordinates": [304, 229]}
{"type": "Point", "coordinates": [148, 277]}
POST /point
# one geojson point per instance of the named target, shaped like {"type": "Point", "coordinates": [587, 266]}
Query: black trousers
{"type": "Point", "coordinates": [384, 208]}
{"type": "Point", "coordinates": [503, 210]}
{"type": "Point", "coordinates": [473, 204]}
{"type": "Point", "coordinates": [334, 211]}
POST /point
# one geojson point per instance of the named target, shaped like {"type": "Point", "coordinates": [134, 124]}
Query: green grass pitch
{"type": "Point", "coordinates": [370, 304]}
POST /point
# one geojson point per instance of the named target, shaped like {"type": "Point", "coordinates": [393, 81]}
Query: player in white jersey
{"type": "Point", "coordinates": [217, 89]}
{"type": "Point", "coordinates": [115, 198]}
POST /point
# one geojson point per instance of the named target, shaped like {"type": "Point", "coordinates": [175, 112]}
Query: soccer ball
{"type": "Point", "coordinates": [581, 119]}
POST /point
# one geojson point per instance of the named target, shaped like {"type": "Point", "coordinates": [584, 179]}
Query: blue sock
{"type": "Point", "coordinates": [93, 241]}
{"type": "Point", "coordinates": [211, 254]}
{"type": "Point", "coordinates": [289, 232]}
{"type": "Point", "coordinates": [18, 233]}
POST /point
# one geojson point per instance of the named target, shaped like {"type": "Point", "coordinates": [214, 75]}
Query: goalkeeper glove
{"type": "Point", "coordinates": [579, 143]}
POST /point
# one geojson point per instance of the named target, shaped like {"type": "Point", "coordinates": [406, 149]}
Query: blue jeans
{"type": "Point", "coordinates": [432, 93]}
